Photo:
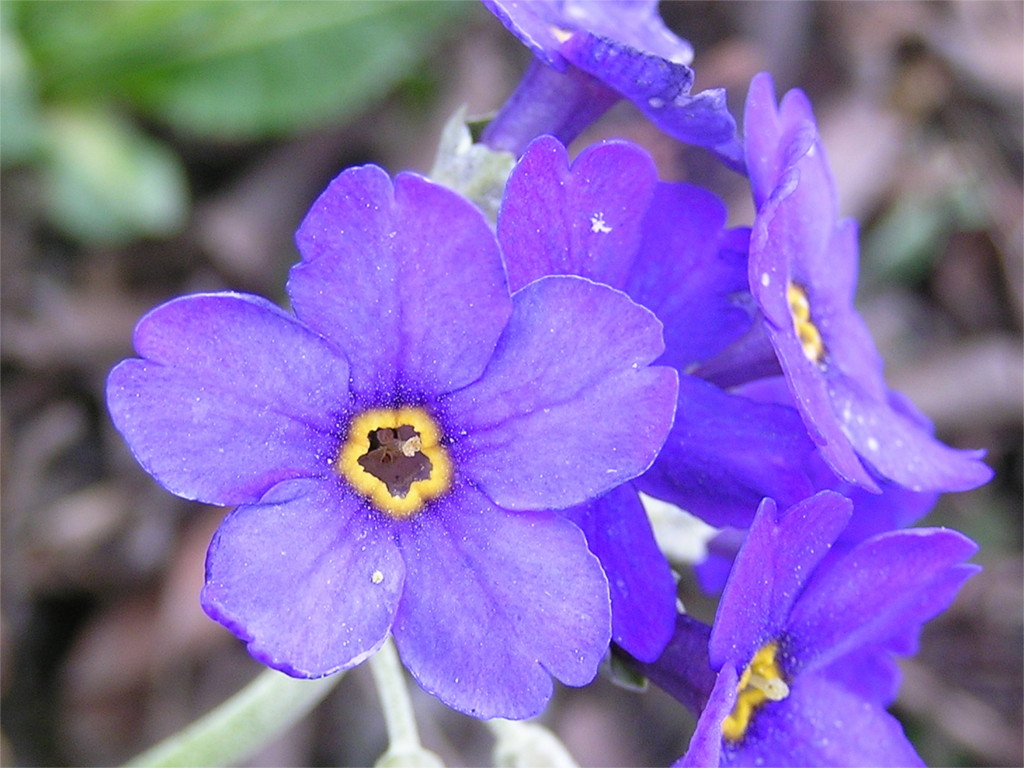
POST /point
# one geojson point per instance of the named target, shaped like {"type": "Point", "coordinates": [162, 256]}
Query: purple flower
{"type": "Point", "coordinates": [802, 646]}
{"type": "Point", "coordinates": [606, 217]}
{"type": "Point", "coordinates": [803, 271]}
{"type": "Point", "coordinates": [395, 447]}
{"type": "Point", "coordinates": [591, 53]}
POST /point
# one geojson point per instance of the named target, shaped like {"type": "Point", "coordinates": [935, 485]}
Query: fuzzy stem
{"type": "Point", "coordinates": [527, 745]}
{"type": "Point", "coordinates": [403, 736]}
{"type": "Point", "coordinates": [236, 729]}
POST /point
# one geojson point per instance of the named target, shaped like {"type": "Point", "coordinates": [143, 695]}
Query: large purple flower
{"type": "Point", "coordinates": [606, 217]}
{"type": "Point", "coordinates": [803, 272]}
{"type": "Point", "coordinates": [591, 53]}
{"type": "Point", "coordinates": [395, 447]}
{"type": "Point", "coordinates": [801, 648]}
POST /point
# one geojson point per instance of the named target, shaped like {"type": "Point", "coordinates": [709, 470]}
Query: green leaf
{"type": "Point", "coordinates": [232, 69]}
{"type": "Point", "coordinates": [19, 115]}
{"type": "Point", "coordinates": [106, 182]}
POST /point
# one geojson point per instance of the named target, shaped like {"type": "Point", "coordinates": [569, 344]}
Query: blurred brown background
{"type": "Point", "coordinates": [104, 646]}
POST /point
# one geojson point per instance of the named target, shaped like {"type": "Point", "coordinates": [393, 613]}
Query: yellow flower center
{"type": "Point", "coordinates": [394, 458]}
{"type": "Point", "coordinates": [806, 330]}
{"type": "Point", "coordinates": [761, 681]}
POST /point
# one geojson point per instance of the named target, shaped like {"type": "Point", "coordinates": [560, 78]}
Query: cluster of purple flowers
{"type": "Point", "coordinates": [447, 437]}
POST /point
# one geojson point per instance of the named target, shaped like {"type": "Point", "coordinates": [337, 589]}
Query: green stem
{"type": "Point", "coordinates": [527, 745]}
{"type": "Point", "coordinates": [236, 729]}
{"type": "Point", "coordinates": [403, 736]}
{"type": "Point", "coordinates": [394, 698]}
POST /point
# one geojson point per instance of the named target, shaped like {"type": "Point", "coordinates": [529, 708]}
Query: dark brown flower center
{"type": "Point", "coordinates": [396, 459]}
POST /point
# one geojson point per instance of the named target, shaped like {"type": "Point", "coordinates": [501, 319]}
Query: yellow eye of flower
{"type": "Point", "coordinates": [393, 456]}
{"type": "Point", "coordinates": [761, 681]}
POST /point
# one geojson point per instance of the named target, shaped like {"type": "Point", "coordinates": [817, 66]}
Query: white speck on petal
{"type": "Point", "coordinates": [872, 444]}
{"type": "Point", "coordinates": [597, 224]}
{"type": "Point", "coordinates": [377, 577]}
{"type": "Point", "coordinates": [765, 279]}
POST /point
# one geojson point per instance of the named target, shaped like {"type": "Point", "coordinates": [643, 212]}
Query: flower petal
{"type": "Point", "coordinates": [233, 396]}
{"type": "Point", "coordinates": [406, 279]}
{"type": "Point", "coordinates": [568, 407]}
{"type": "Point", "coordinates": [683, 670]}
{"type": "Point", "coordinates": [780, 553]}
{"type": "Point", "coordinates": [307, 577]}
{"type": "Point", "coordinates": [770, 273]}
{"type": "Point", "coordinates": [705, 750]}
{"type": "Point", "coordinates": [725, 453]}
{"type": "Point", "coordinates": [494, 602]}
{"type": "Point", "coordinates": [585, 220]}
{"type": "Point", "coordinates": [541, 25]}
{"type": "Point", "coordinates": [643, 591]}
{"type": "Point", "coordinates": [882, 587]}
{"type": "Point", "coordinates": [779, 138]}
{"type": "Point", "coordinates": [560, 103]}
{"type": "Point", "coordinates": [899, 449]}
{"type": "Point", "coordinates": [690, 273]}
{"type": "Point", "coordinates": [870, 673]}
{"type": "Point", "coordinates": [659, 87]}
{"type": "Point", "coordinates": [821, 723]}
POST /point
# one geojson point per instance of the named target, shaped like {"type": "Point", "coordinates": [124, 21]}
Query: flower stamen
{"type": "Point", "coordinates": [806, 330]}
{"type": "Point", "coordinates": [393, 456]}
{"type": "Point", "coordinates": [761, 681]}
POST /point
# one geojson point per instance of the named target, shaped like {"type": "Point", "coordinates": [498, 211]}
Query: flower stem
{"type": "Point", "coordinates": [229, 734]}
{"type": "Point", "coordinates": [527, 745]}
{"type": "Point", "coordinates": [403, 736]}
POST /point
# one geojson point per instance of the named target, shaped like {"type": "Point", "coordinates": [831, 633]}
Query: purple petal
{"type": "Point", "coordinates": [778, 138]}
{"type": "Point", "coordinates": [306, 577]}
{"type": "Point", "coordinates": [542, 24]}
{"type": "Point", "coordinates": [494, 602]}
{"type": "Point", "coordinates": [894, 507]}
{"type": "Point", "coordinates": [713, 571]}
{"type": "Point", "coordinates": [548, 101]}
{"type": "Point", "coordinates": [899, 449]}
{"type": "Point", "coordinates": [725, 453]}
{"type": "Point", "coordinates": [887, 584]}
{"type": "Point", "coordinates": [233, 396]}
{"type": "Point", "coordinates": [869, 673]}
{"type": "Point", "coordinates": [821, 723]}
{"type": "Point", "coordinates": [642, 588]}
{"type": "Point", "coordinates": [683, 669]}
{"type": "Point", "coordinates": [873, 513]}
{"type": "Point", "coordinates": [537, 24]}
{"type": "Point", "coordinates": [705, 748]}
{"type": "Point", "coordinates": [748, 360]}
{"type": "Point", "coordinates": [585, 220]}
{"type": "Point", "coordinates": [849, 348]}
{"type": "Point", "coordinates": [779, 555]}
{"type": "Point", "coordinates": [568, 407]}
{"type": "Point", "coordinates": [407, 280]}
{"type": "Point", "coordinates": [769, 279]}
{"type": "Point", "coordinates": [634, 22]}
{"type": "Point", "coordinates": [659, 87]}
{"type": "Point", "coordinates": [689, 272]}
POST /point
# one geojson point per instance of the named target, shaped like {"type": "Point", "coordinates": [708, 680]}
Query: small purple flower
{"type": "Point", "coordinates": [606, 217]}
{"type": "Point", "coordinates": [395, 447]}
{"type": "Point", "coordinates": [803, 272]}
{"type": "Point", "coordinates": [802, 645]}
{"type": "Point", "coordinates": [591, 53]}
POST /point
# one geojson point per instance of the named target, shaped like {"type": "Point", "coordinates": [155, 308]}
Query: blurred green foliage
{"type": "Point", "coordinates": [73, 73]}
